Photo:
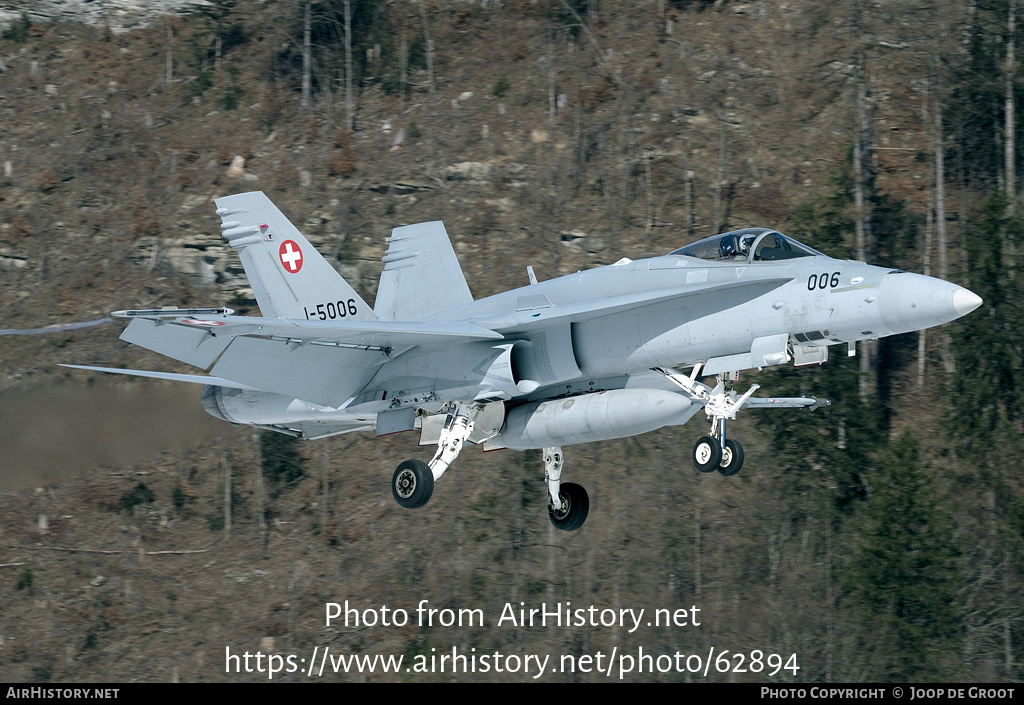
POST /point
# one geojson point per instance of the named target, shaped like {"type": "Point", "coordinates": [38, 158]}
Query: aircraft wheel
{"type": "Point", "coordinates": [412, 484]}
{"type": "Point", "coordinates": [577, 505]}
{"type": "Point", "coordinates": [732, 459]}
{"type": "Point", "coordinates": [707, 454]}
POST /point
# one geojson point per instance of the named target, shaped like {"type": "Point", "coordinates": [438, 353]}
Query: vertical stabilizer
{"type": "Point", "coordinates": [421, 276]}
{"type": "Point", "coordinates": [289, 278]}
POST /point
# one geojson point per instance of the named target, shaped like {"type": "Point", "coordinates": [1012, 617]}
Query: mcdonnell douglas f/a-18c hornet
{"type": "Point", "coordinates": [591, 356]}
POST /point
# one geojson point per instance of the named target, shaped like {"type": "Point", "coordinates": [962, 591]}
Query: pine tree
{"type": "Point", "coordinates": [989, 385]}
{"type": "Point", "coordinates": [904, 583]}
{"type": "Point", "coordinates": [282, 461]}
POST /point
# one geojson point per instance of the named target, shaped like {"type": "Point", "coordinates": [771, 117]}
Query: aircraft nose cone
{"type": "Point", "coordinates": [910, 302]}
{"type": "Point", "coordinates": [965, 301]}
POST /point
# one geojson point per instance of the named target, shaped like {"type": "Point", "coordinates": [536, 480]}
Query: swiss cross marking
{"type": "Point", "coordinates": [291, 256]}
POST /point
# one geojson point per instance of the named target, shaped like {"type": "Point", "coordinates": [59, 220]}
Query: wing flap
{"type": "Point", "coordinates": [200, 340]}
{"type": "Point", "coordinates": [378, 334]}
{"type": "Point", "coordinates": [323, 374]}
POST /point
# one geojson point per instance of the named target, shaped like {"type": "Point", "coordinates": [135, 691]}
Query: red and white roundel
{"type": "Point", "coordinates": [291, 256]}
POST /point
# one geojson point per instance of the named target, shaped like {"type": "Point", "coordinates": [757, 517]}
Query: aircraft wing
{"type": "Point", "coordinates": [324, 362]}
{"type": "Point", "coordinates": [200, 339]}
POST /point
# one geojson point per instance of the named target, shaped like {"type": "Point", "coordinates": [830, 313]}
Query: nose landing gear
{"type": "Point", "coordinates": [715, 451]}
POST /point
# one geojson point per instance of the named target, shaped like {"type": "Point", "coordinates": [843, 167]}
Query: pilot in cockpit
{"type": "Point", "coordinates": [746, 241]}
{"type": "Point", "coordinates": [732, 247]}
{"type": "Point", "coordinates": [727, 248]}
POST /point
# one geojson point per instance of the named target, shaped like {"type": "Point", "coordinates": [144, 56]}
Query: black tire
{"type": "Point", "coordinates": [575, 513]}
{"type": "Point", "coordinates": [732, 458]}
{"type": "Point", "coordinates": [412, 484]}
{"type": "Point", "coordinates": [707, 454]}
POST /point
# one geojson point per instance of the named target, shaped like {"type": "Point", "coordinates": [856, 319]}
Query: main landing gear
{"type": "Point", "coordinates": [715, 451]}
{"type": "Point", "coordinates": [413, 481]}
{"type": "Point", "coordinates": [412, 484]}
{"type": "Point", "coordinates": [568, 504]}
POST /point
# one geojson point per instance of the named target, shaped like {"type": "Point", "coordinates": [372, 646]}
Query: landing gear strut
{"type": "Point", "coordinates": [715, 451]}
{"type": "Point", "coordinates": [568, 504]}
{"type": "Point", "coordinates": [732, 458]}
{"type": "Point", "coordinates": [413, 481]}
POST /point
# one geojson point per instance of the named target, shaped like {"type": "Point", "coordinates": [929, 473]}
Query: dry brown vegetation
{"type": "Point", "coordinates": [128, 164]}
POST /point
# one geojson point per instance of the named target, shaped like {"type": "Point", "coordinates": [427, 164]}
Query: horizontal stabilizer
{"type": "Point", "coordinates": [172, 376]}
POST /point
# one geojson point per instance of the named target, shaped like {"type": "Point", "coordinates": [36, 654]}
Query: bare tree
{"type": "Point", "coordinates": [940, 201]}
{"type": "Point", "coordinates": [720, 177]}
{"type": "Point", "coordinates": [307, 60]}
{"type": "Point", "coordinates": [429, 46]}
{"type": "Point", "coordinates": [170, 52]}
{"type": "Point", "coordinates": [862, 183]}
{"type": "Point", "coordinates": [1009, 143]}
{"type": "Point", "coordinates": [349, 98]}
{"type": "Point", "coordinates": [403, 68]}
{"type": "Point", "coordinates": [922, 337]}
{"type": "Point", "coordinates": [227, 495]}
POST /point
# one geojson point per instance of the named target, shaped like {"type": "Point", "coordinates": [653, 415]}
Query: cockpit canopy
{"type": "Point", "coordinates": [748, 245]}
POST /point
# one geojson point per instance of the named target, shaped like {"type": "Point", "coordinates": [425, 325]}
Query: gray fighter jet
{"type": "Point", "coordinates": [586, 357]}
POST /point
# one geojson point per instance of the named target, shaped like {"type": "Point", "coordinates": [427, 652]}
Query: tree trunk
{"type": "Point", "coordinates": [429, 47]}
{"type": "Point", "coordinates": [307, 62]}
{"type": "Point", "coordinates": [260, 515]}
{"type": "Point", "coordinates": [940, 206]}
{"type": "Point", "coordinates": [922, 336]}
{"type": "Point", "coordinates": [170, 54]}
{"type": "Point", "coordinates": [1009, 143]}
{"type": "Point", "coordinates": [717, 224]}
{"type": "Point", "coordinates": [403, 63]}
{"type": "Point", "coordinates": [227, 495]}
{"type": "Point", "coordinates": [862, 189]}
{"type": "Point", "coordinates": [349, 98]}
{"type": "Point", "coordinates": [325, 512]}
